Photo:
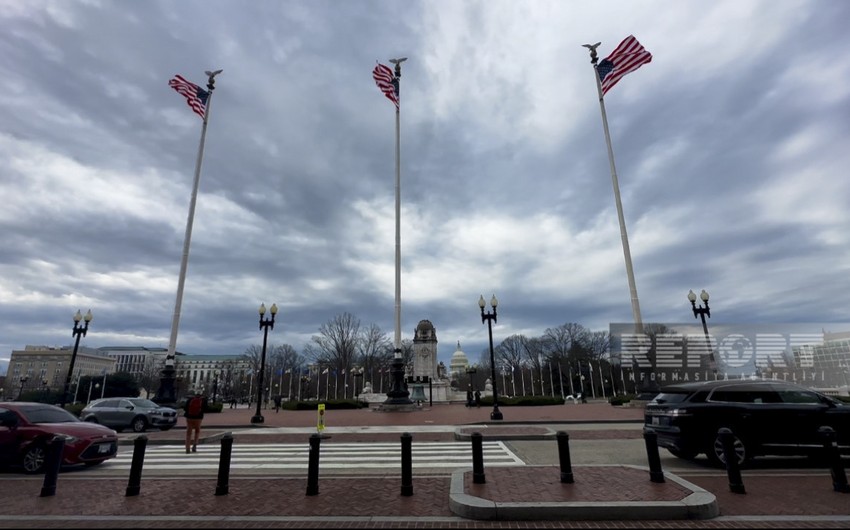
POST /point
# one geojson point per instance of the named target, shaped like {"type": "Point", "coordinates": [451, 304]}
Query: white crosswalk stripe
{"type": "Point", "coordinates": [295, 456]}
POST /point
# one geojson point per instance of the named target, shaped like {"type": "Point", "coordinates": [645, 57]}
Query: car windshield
{"type": "Point", "coordinates": [670, 397]}
{"type": "Point", "coordinates": [46, 415]}
{"type": "Point", "coordinates": [144, 403]}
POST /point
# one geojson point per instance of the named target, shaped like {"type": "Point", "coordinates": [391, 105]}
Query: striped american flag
{"type": "Point", "coordinates": [628, 57]}
{"type": "Point", "coordinates": [383, 76]}
{"type": "Point", "coordinates": [195, 96]}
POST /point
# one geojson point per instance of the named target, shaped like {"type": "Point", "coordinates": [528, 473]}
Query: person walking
{"type": "Point", "coordinates": [469, 396]}
{"type": "Point", "coordinates": [277, 400]}
{"type": "Point", "coordinates": [478, 398]}
{"type": "Point", "coordinates": [194, 413]}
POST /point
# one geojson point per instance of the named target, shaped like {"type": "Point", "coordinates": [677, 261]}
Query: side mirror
{"type": "Point", "coordinates": [129, 407]}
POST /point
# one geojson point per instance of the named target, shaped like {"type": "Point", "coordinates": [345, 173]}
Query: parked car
{"type": "Point", "coordinates": [765, 417]}
{"type": "Point", "coordinates": [27, 428]}
{"type": "Point", "coordinates": [134, 413]}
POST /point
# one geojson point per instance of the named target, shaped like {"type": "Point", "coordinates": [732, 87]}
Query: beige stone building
{"type": "Point", "coordinates": [46, 368]}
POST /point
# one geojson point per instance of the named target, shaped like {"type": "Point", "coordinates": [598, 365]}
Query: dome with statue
{"type": "Point", "coordinates": [459, 362]}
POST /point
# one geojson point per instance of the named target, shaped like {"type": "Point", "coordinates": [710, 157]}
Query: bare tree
{"type": "Point", "coordinates": [336, 344]}
{"type": "Point", "coordinates": [565, 342]}
{"type": "Point", "coordinates": [374, 351]}
{"type": "Point", "coordinates": [148, 377]}
{"type": "Point", "coordinates": [511, 351]}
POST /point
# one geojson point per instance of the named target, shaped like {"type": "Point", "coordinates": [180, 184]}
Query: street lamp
{"type": "Point", "coordinates": [24, 379]}
{"type": "Point", "coordinates": [77, 332]}
{"type": "Point", "coordinates": [491, 317]}
{"type": "Point", "coordinates": [703, 312]}
{"type": "Point", "coordinates": [265, 324]}
{"type": "Point", "coordinates": [355, 373]}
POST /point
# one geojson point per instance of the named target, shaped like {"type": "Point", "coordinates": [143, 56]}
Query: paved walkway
{"type": "Point", "coordinates": [511, 494]}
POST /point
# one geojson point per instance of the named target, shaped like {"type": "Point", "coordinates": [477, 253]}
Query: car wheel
{"type": "Point", "coordinates": [34, 459]}
{"type": "Point", "coordinates": [139, 424]}
{"type": "Point", "coordinates": [718, 457]}
{"type": "Point", "coordinates": [686, 454]}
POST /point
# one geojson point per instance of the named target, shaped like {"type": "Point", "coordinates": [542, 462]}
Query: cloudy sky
{"type": "Point", "coordinates": [731, 148]}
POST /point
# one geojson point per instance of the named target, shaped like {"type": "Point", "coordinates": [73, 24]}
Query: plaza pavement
{"type": "Point", "coordinates": [600, 497]}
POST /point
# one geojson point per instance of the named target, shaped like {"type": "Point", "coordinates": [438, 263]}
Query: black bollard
{"type": "Point", "coordinates": [478, 459]}
{"type": "Point", "coordinates": [406, 464]}
{"type": "Point", "coordinates": [651, 440]}
{"type": "Point", "coordinates": [51, 466]}
{"type": "Point", "coordinates": [222, 488]}
{"type": "Point", "coordinates": [313, 465]}
{"type": "Point", "coordinates": [564, 457]}
{"type": "Point", "coordinates": [134, 485]}
{"type": "Point", "coordinates": [733, 469]}
{"type": "Point", "coordinates": [833, 458]}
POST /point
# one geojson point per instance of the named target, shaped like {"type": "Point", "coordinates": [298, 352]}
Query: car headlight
{"type": "Point", "coordinates": [679, 412]}
{"type": "Point", "coordinates": [67, 438]}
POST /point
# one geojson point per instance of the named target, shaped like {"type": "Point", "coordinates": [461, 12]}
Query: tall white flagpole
{"type": "Point", "coordinates": [623, 234]}
{"type": "Point", "coordinates": [184, 263]}
{"type": "Point", "coordinates": [397, 63]}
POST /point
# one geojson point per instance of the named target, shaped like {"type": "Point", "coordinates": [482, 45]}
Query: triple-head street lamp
{"type": "Point", "coordinates": [703, 312]}
{"type": "Point", "coordinates": [489, 317]}
{"type": "Point", "coordinates": [265, 324]}
{"type": "Point", "coordinates": [77, 332]}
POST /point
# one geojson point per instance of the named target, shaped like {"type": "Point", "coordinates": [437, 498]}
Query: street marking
{"type": "Point", "coordinates": [295, 456]}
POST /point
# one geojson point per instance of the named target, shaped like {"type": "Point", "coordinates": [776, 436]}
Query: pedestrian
{"type": "Point", "coordinates": [194, 414]}
{"type": "Point", "coordinates": [233, 402]}
{"type": "Point", "coordinates": [469, 396]}
{"type": "Point", "coordinates": [478, 398]}
{"type": "Point", "coordinates": [277, 403]}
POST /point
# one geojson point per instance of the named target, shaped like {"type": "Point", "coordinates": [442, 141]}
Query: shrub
{"type": "Point", "coordinates": [620, 399]}
{"type": "Point", "coordinates": [331, 404]}
{"type": "Point", "coordinates": [523, 401]}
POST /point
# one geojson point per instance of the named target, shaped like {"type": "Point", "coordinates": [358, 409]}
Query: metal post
{"type": "Point", "coordinates": [733, 469]}
{"type": "Point", "coordinates": [406, 464]}
{"type": "Point", "coordinates": [52, 465]}
{"type": "Point", "coordinates": [651, 440]}
{"type": "Point", "coordinates": [134, 484]}
{"type": "Point", "coordinates": [833, 458]}
{"type": "Point", "coordinates": [313, 465]}
{"type": "Point", "coordinates": [564, 457]}
{"type": "Point", "coordinates": [477, 459]}
{"type": "Point", "coordinates": [222, 487]}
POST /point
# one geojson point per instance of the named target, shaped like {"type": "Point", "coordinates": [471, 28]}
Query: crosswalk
{"type": "Point", "coordinates": [265, 457]}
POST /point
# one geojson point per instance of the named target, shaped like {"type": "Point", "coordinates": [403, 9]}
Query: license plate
{"type": "Point", "coordinates": [655, 420]}
{"type": "Point", "coordinates": [104, 448]}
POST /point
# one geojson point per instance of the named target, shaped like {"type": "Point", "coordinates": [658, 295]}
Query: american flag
{"type": "Point", "coordinates": [195, 96]}
{"type": "Point", "coordinates": [383, 76]}
{"type": "Point", "coordinates": [628, 57]}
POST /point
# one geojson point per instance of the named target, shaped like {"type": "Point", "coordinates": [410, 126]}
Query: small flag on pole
{"type": "Point", "coordinates": [628, 57]}
{"type": "Point", "coordinates": [195, 96]}
{"type": "Point", "coordinates": [383, 76]}
{"type": "Point", "coordinates": [325, 371]}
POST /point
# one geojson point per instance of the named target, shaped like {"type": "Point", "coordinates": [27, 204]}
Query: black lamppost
{"type": "Point", "coordinates": [489, 317]}
{"type": "Point", "coordinates": [24, 379]}
{"type": "Point", "coordinates": [45, 389]}
{"type": "Point", "coordinates": [355, 373]}
{"type": "Point", "coordinates": [215, 386]}
{"type": "Point", "coordinates": [77, 332]}
{"type": "Point", "coordinates": [703, 312]}
{"type": "Point", "coordinates": [265, 324]}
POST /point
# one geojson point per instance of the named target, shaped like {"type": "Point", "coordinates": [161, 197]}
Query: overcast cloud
{"type": "Point", "coordinates": [731, 149]}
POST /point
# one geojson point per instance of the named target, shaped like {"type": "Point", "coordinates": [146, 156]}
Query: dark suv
{"type": "Point", "coordinates": [134, 413]}
{"type": "Point", "coordinates": [766, 418]}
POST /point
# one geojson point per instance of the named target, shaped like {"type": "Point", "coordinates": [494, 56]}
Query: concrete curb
{"type": "Point", "coordinates": [545, 434]}
{"type": "Point", "coordinates": [700, 504]}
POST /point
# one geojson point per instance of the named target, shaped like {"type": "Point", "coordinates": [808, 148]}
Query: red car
{"type": "Point", "coordinates": [27, 428]}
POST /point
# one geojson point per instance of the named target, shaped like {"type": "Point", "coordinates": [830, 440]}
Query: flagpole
{"type": "Point", "coordinates": [397, 63]}
{"type": "Point", "coordinates": [166, 390]}
{"type": "Point", "coordinates": [623, 234]}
